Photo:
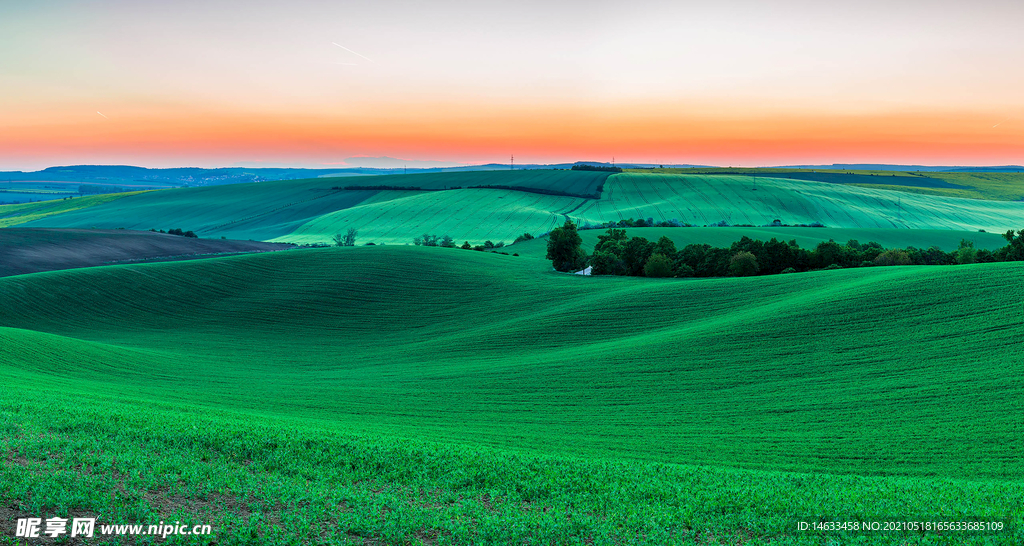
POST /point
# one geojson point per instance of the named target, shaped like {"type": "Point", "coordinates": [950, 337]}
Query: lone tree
{"type": "Point", "coordinates": [350, 237]}
{"type": "Point", "coordinates": [565, 248]}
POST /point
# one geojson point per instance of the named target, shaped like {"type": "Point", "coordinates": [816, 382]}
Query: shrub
{"type": "Point", "coordinates": [523, 237]}
{"type": "Point", "coordinates": [788, 270]}
{"type": "Point", "coordinates": [832, 267]}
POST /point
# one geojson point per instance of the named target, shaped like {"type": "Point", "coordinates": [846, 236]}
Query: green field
{"type": "Point", "coordinates": [423, 393]}
{"type": "Point", "coordinates": [313, 211]}
{"type": "Point", "coordinates": [268, 210]}
{"type": "Point", "coordinates": [972, 185]}
{"type": "Point", "coordinates": [706, 199]}
{"type": "Point", "coordinates": [411, 395]}
{"type": "Point", "coordinates": [466, 215]}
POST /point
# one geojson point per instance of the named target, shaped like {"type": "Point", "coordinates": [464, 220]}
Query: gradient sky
{"type": "Point", "coordinates": [732, 82]}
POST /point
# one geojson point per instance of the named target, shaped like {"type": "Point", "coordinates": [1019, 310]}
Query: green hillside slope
{"type": "Point", "coordinates": [705, 200]}
{"type": "Point", "coordinates": [1007, 186]}
{"type": "Point", "coordinates": [465, 215]}
{"type": "Point", "coordinates": [739, 372]}
{"type": "Point", "coordinates": [297, 394]}
{"type": "Point", "coordinates": [314, 211]}
{"type": "Point", "coordinates": [478, 215]}
{"type": "Point", "coordinates": [239, 211]}
{"type": "Point", "coordinates": [266, 210]}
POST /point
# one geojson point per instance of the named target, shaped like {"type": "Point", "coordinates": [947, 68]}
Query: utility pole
{"type": "Point", "coordinates": [512, 162]}
{"type": "Point", "coordinates": [899, 208]}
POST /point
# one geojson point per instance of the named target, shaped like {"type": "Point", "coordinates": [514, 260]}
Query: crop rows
{"type": "Point", "coordinates": [705, 200]}
{"type": "Point", "coordinates": [474, 215]}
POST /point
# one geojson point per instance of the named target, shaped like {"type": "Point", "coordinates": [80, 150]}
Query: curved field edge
{"type": "Point", "coordinates": [269, 480]}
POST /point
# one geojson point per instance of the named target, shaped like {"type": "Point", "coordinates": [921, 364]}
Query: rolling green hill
{"type": "Point", "coordinates": [705, 200]}
{"type": "Point", "coordinates": [909, 382]}
{"type": "Point", "coordinates": [238, 211]}
{"type": "Point", "coordinates": [1007, 186]}
{"type": "Point", "coordinates": [691, 349]}
{"type": "Point", "coordinates": [474, 215]}
{"type": "Point", "coordinates": [268, 210]}
{"type": "Point", "coordinates": [313, 211]}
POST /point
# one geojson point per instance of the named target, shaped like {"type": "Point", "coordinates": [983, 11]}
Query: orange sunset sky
{"type": "Point", "coordinates": [308, 83]}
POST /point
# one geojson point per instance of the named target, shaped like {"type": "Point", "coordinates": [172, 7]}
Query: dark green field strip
{"type": "Point", "coordinates": [257, 211]}
{"type": "Point", "coordinates": [911, 371]}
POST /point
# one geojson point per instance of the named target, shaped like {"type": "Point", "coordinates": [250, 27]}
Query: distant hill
{"type": "Point", "coordinates": [920, 168]}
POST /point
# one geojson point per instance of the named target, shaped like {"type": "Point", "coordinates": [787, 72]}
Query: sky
{"type": "Point", "coordinates": [310, 83]}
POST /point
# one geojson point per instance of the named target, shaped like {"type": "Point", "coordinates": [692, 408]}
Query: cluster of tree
{"type": "Point", "coordinates": [348, 239]}
{"type": "Point", "coordinates": [650, 222]}
{"type": "Point", "coordinates": [178, 232]}
{"type": "Point", "coordinates": [434, 240]}
{"type": "Point", "coordinates": [601, 168]}
{"type": "Point", "coordinates": [488, 245]}
{"type": "Point", "coordinates": [617, 254]}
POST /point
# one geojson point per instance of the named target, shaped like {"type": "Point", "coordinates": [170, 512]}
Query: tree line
{"type": "Point", "coordinates": [617, 254]}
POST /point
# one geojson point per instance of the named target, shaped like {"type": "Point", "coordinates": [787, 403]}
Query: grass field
{"type": "Point", "coordinates": [425, 394]}
{"type": "Point", "coordinates": [475, 215]}
{"type": "Point", "coordinates": [12, 215]}
{"type": "Point", "coordinates": [978, 185]}
{"type": "Point", "coordinates": [310, 211]}
{"type": "Point", "coordinates": [268, 210]}
{"type": "Point", "coordinates": [705, 200]}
